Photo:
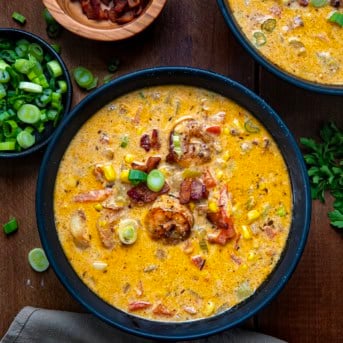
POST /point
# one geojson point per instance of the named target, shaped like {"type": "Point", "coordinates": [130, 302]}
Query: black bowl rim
{"type": "Point", "coordinates": [68, 95]}
{"type": "Point", "coordinates": [165, 329]}
{"type": "Point", "coordinates": [269, 65]}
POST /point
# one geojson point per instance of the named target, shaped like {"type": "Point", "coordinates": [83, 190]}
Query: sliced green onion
{"type": "Point", "coordinates": [137, 176]}
{"type": "Point", "coordinates": [107, 78]}
{"type": "Point", "coordinates": [37, 260]}
{"type": "Point", "coordinates": [21, 50]}
{"type": "Point", "coordinates": [3, 91]}
{"type": "Point", "coordinates": [36, 51]}
{"type": "Point", "coordinates": [337, 18]}
{"type": "Point", "coordinates": [251, 127]}
{"type": "Point", "coordinates": [18, 17]}
{"type": "Point", "coordinates": [127, 231]}
{"type": "Point", "coordinates": [29, 114]}
{"type": "Point", "coordinates": [4, 43]}
{"type": "Point", "coordinates": [155, 180]}
{"type": "Point", "coordinates": [4, 76]}
{"type": "Point", "coordinates": [318, 3]}
{"type": "Point", "coordinates": [281, 211]}
{"type": "Point", "coordinates": [124, 142]}
{"type": "Point", "coordinates": [30, 87]}
{"type": "Point", "coordinates": [177, 144]}
{"type": "Point", "coordinates": [49, 19]}
{"type": "Point", "coordinates": [83, 77]}
{"type": "Point", "coordinates": [57, 48]}
{"type": "Point", "coordinates": [25, 139]}
{"type": "Point", "coordinates": [23, 66]}
{"type": "Point", "coordinates": [268, 25]}
{"type": "Point", "coordinates": [93, 84]}
{"type": "Point", "coordinates": [8, 55]}
{"type": "Point", "coordinates": [113, 65]}
{"type": "Point", "coordinates": [260, 38]}
{"type": "Point", "coordinates": [54, 30]}
{"type": "Point", "coordinates": [54, 68]}
{"type": "Point", "coordinates": [10, 128]}
{"type": "Point", "coordinates": [7, 146]}
{"type": "Point", "coordinates": [11, 226]}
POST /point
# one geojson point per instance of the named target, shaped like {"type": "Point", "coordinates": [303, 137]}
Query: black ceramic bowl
{"type": "Point", "coordinates": [41, 138]}
{"type": "Point", "coordinates": [244, 41]}
{"type": "Point", "coordinates": [229, 89]}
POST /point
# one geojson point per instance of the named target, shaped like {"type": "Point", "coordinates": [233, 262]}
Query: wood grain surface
{"type": "Point", "coordinates": [191, 33]}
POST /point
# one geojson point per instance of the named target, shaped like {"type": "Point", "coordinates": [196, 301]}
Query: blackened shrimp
{"type": "Point", "coordinates": [169, 221]}
{"type": "Point", "coordinates": [190, 143]}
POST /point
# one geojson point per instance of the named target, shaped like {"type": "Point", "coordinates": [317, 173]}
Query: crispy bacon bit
{"type": "Point", "coordinates": [148, 143]}
{"type": "Point", "coordinates": [161, 310]}
{"type": "Point", "coordinates": [142, 194]}
{"type": "Point", "coordinates": [118, 11]}
{"type": "Point", "coordinates": [190, 309]}
{"type": "Point", "coordinates": [104, 139]}
{"type": "Point", "coordinates": [303, 3]}
{"type": "Point", "coordinates": [95, 195]}
{"type": "Point", "coordinates": [271, 233]}
{"type": "Point", "coordinates": [236, 259]}
{"type": "Point", "coordinates": [188, 247]}
{"type": "Point", "coordinates": [150, 164]}
{"type": "Point", "coordinates": [138, 305]}
{"type": "Point", "coordinates": [145, 142]}
{"type": "Point", "coordinates": [198, 261]}
{"type": "Point", "coordinates": [216, 130]}
{"type": "Point", "coordinates": [208, 179]}
{"type": "Point", "coordinates": [192, 189]}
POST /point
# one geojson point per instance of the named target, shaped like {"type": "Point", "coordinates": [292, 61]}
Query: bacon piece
{"type": "Point", "coordinates": [95, 195]}
{"type": "Point", "coordinates": [198, 261]}
{"type": "Point", "coordinates": [119, 6]}
{"type": "Point", "coordinates": [161, 310]}
{"type": "Point", "coordinates": [138, 305]}
{"type": "Point", "coordinates": [155, 142]}
{"type": "Point", "coordinates": [106, 2]}
{"type": "Point", "coordinates": [133, 3]}
{"type": "Point", "coordinates": [303, 3]}
{"type": "Point", "coordinates": [192, 189]}
{"type": "Point", "coordinates": [208, 179]}
{"type": "Point", "coordinates": [236, 259]}
{"type": "Point", "coordinates": [142, 194]}
{"type": "Point", "coordinates": [150, 164]}
{"type": "Point", "coordinates": [221, 237]}
{"type": "Point", "coordinates": [271, 233]}
{"type": "Point", "coordinates": [126, 17]}
{"type": "Point", "coordinates": [145, 142]}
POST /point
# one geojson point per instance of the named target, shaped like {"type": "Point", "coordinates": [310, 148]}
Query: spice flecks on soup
{"type": "Point", "coordinates": [301, 37]}
{"type": "Point", "coordinates": [173, 203]}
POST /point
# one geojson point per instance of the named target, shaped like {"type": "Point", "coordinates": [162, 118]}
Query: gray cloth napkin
{"type": "Point", "coordinates": [35, 325]}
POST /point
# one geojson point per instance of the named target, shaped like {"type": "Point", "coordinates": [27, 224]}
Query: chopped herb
{"type": "Point", "coordinates": [326, 168]}
{"type": "Point", "coordinates": [124, 142]}
{"type": "Point", "coordinates": [337, 18]}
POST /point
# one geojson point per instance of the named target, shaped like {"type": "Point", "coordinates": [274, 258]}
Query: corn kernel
{"type": "Point", "coordinates": [129, 158]}
{"type": "Point", "coordinates": [253, 215]}
{"type": "Point", "coordinates": [246, 232]}
{"type": "Point", "coordinates": [244, 266]}
{"type": "Point", "coordinates": [212, 206]}
{"type": "Point", "coordinates": [98, 207]}
{"type": "Point", "coordinates": [191, 206]}
{"type": "Point", "coordinates": [109, 172]}
{"type": "Point", "coordinates": [226, 131]}
{"type": "Point", "coordinates": [255, 244]}
{"type": "Point", "coordinates": [140, 131]}
{"type": "Point", "coordinates": [226, 155]}
{"type": "Point", "coordinates": [124, 176]}
{"type": "Point", "coordinates": [209, 308]}
{"type": "Point", "coordinates": [251, 256]}
{"type": "Point", "coordinates": [219, 174]}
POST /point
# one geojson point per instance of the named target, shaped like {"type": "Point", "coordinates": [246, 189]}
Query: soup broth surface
{"type": "Point", "coordinates": [298, 38]}
{"type": "Point", "coordinates": [213, 236]}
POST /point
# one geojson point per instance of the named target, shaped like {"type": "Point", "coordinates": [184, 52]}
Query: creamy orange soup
{"type": "Point", "coordinates": [296, 35]}
{"type": "Point", "coordinates": [214, 225]}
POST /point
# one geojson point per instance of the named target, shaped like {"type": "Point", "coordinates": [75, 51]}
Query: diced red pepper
{"type": "Point", "coordinates": [138, 305]}
{"type": "Point", "coordinates": [216, 130]}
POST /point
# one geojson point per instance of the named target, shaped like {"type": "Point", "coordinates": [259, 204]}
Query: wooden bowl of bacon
{"type": "Point", "coordinates": [105, 20]}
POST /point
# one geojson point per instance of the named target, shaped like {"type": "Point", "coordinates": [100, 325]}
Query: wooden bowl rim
{"type": "Point", "coordinates": [117, 33]}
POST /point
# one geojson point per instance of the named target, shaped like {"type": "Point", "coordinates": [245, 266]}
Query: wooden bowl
{"type": "Point", "coordinates": [69, 14]}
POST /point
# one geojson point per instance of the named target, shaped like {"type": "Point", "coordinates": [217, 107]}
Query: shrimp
{"type": "Point", "coordinates": [78, 229]}
{"type": "Point", "coordinates": [105, 226]}
{"type": "Point", "coordinates": [196, 144]}
{"type": "Point", "coordinates": [169, 221]}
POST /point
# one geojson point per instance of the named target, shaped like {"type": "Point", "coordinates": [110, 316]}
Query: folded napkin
{"type": "Point", "coordinates": [35, 325]}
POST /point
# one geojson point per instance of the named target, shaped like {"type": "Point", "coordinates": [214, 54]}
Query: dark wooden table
{"type": "Point", "coordinates": [191, 33]}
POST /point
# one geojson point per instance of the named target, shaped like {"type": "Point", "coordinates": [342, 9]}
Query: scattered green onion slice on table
{"type": "Point", "coordinates": [137, 176]}
{"type": "Point", "coordinates": [38, 260]}
{"type": "Point", "coordinates": [18, 17]}
{"type": "Point", "coordinates": [83, 77]}
{"type": "Point", "coordinates": [155, 180]}
{"type": "Point", "coordinates": [53, 28]}
{"type": "Point", "coordinates": [11, 226]}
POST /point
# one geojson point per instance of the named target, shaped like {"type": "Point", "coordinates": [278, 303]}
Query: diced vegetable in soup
{"type": "Point", "coordinates": [302, 37]}
{"type": "Point", "coordinates": [173, 203]}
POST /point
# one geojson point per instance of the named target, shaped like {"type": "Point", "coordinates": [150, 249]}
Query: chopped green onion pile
{"type": "Point", "coordinates": [31, 93]}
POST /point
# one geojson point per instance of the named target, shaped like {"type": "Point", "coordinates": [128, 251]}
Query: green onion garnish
{"type": "Point", "coordinates": [137, 176]}
{"type": "Point", "coordinates": [337, 18]}
{"type": "Point", "coordinates": [11, 226]}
